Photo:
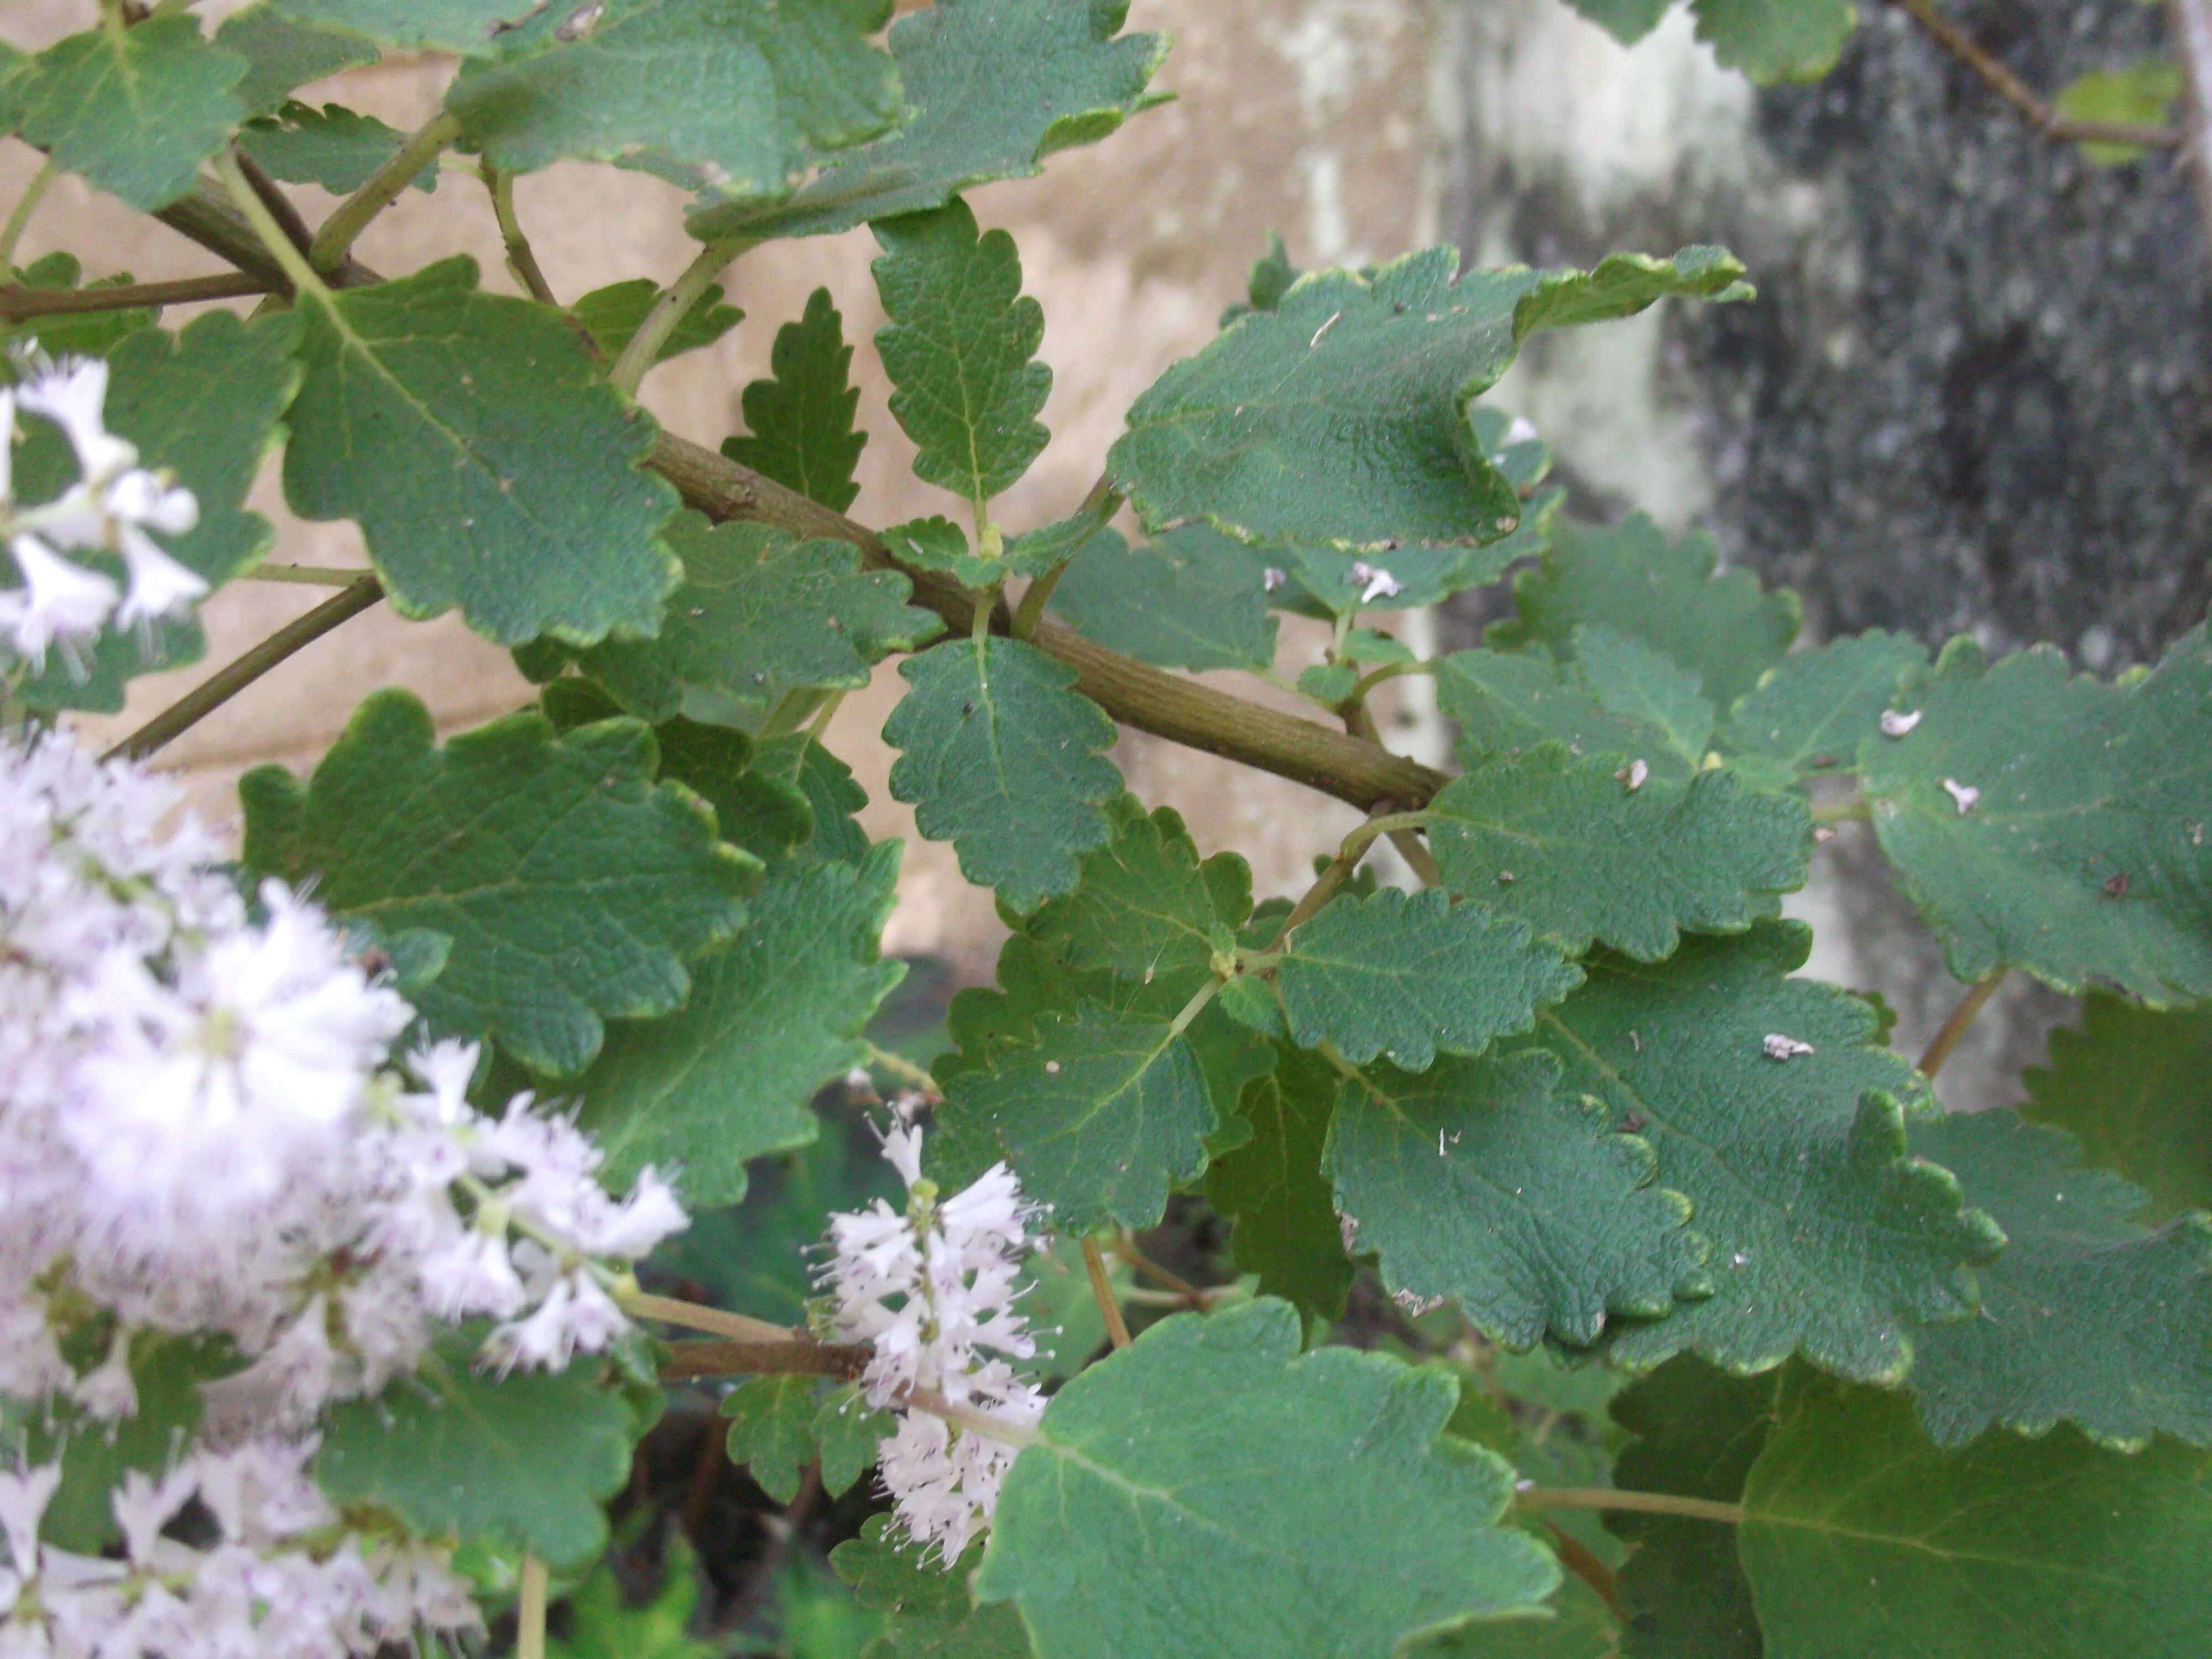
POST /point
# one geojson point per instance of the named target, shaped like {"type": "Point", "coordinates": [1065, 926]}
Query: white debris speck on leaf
{"type": "Point", "coordinates": [1633, 775]}
{"type": "Point", "coordinates": [1778, 1046]}
{"type": "Point", "coordinates": [1347, 1228]}
{"type": "Point", "coordinates": [1051, 1067]}
{"type": "Point", "coordinates": [1964, 793]}
{"type": "Point", "coordinates": [1272, 579]}
{"type": "Point", "coordinates": [1523, 431]}
{"type": "Point", "coordinates": [1378, 583]}
{"type": "Point", "coordinates": [1896, 722]}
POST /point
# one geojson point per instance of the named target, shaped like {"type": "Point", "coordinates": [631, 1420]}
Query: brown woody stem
{"type": "Point", "coordinates": [1972, 1004]}
{"type": "Point", "coordinates": [1118, 1328]}
{"type": "Point", "coordinates": [17, 303]}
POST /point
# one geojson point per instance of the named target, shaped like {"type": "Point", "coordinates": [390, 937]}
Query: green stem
{"type": "Point", "coordinates": [1643, 1502]}
{"type": "Point", "coordinates": [1976, 999]}
{"type": "Point", "coordinates": [278, 204]}
{"type": "Point", "coordinates": [1194, 1007]}
{"type": "Point", "coordinates": [294, 264]}
{"type": "Point", "coordinates": [793, 710]}
{"type": "Point", "coordinates": [18, 303]}
{"type": "Point", "coordinates": [674, 304]}
{"type": "Point", "coordinates": [1032, 609]}
{"type": "Point", "coordinates": [914, 1076]}
{"type": "Point", "coordinates": [1389, 670]}
{"type": "Point", "coordinates": [669, 1310]}
{"type": "Point", "coordinates": [824, 715]}
{"type": "Point", "coordinates": [521, 257]}
{"type": "Point", "coordinates": [338, 232]}
{"type": "Point", "coordinates": [529, 1610]}
{"type": "Point", "coordinates": [312, 575]}
{"type": "Point", "coordinates": [1354, 849]}
{"type": "Point", "coordinates": [26, 205]}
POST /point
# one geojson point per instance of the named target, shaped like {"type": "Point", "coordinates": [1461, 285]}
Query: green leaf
{"type": "Point", "coordinates": [1810, 712]}
{"type": "Point", "coordinates": [758, 614]}
{"type": "Point", "coordinates": [1271, 277]}
{"type": "Point", "coordinates": [85, 334]}
{"type": "Point", "coordinates": [1777, 39]}
{"type": "Point", "coordinates": [134, 109]}
{"type": "Point", "coordinates": [937, 1619]}
{"type": "Point", "coordinates": [1697, 1431]}
{"type": "Point", "coordinates": [602, 1622]}
{"type": "Point", "coordinates": [1827, 1238]}
{"type": "Point", "coordinates": [771, 1431]}
{"type": "Point", "coordinates": [1581, 1627]}
{"type": "Point", "coordinates": [282, 55]}
{"type": "Point", "coordinates": [826, 785]}
{"type": "Point", "coordinates": [1001, 758]}
{"type": "Point", "coordinates": [205, 404]}
{"type": "Point", "coordinates": [1510, 704]}
{"type": "Point", "coordinates": [574, 888]}
{"type": "Point", "coordinates": [996, 87]}
{"type": "Point", "coordinates": [2143, 94]}
{"type": "Point", "coordinates": [2081, 855]}
{"type": "Point", "coordinates": [1861, 1537]}
{"type": "Point", "coordinates": [610, 315]}
{"type": "Point", "coordinates": [1340, 417]}
{"type": "Point", "coordinates": [1098, 1119]}
{"type": "Point", "coordinates": [1634, 680]}
{"type": "Point", "coordinates": [770, 1019]}
{"type": "Point", "coordinates": [1581, 851]}
{"type": "Point", "coordinates": [525, 1460]}
{"type": "Point", "coordinates": [959, 350]}
{"type": "Point", "coordinates": [936, 544]}
{"type": "Point", "coordinates": [332, 147]}
{"type": "Point", "coordinates": [1147, 908]}
{"type": "Point", "coordinates": [847, 1434]}
{"type": "Point", "coordinates": [741, 96]}
{"type": "Point", "coordinates": [1407, 975]}
{"type": "Point", "coordinates": [1627, 21]}
{"type": "Point", "coordinates": [2086, 1317]}
{"type": "Point", "coordinates": [1632, 579]}
{"type": "Point", "coordinates": [1285, 1213]}
{"type": "Point", "coordinates": [2135, 1086]}
{"type": "Point", "coordinates": [1167, 604]}
{"type": "Point", "coordinates": [538, 524]}
{"type": "Point", "coordinates": [462, 25]}
{"type": "Point", "coordinates": [1252, 1475]}
{"type": "Point", "coordinates": [803, 433]}
{"type": "Point", "coordinates": [1481, 1181]}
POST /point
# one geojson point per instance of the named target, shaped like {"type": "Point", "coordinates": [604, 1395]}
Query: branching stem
{"type": "Point", "coordinates": [1610, 1498]}
{"type": "Point", "coordinates": [296, 266]}
{"type": "Point", "coordinates": [520, 259]}
{"type": "Point", "coordinates": [1101, 1288]}
{"type": "Point", "coordinates": [1976, 999]}
{"type": "Point", "coordinates": [674, 304]}
{"type": "Point", "coordinates": [338, 233]}
{"type": "Point", "coordinates": [278, 204]}
{"type": "Point", "coordinates": [2010, 88]}
{"type": "Point", "coordinates": [1341, 867]}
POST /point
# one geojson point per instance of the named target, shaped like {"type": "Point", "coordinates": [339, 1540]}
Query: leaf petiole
{"type": "Point", "coordinates": [674, 305]}
{"type": "Point", "coordinates": [338, 234]}
{"type": "Point", "coordinates": [1102, 1290]}
{"type": "Point", "coordinates": [1645, 1503]}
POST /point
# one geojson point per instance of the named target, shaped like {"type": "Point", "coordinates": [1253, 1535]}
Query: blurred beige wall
{"type": "Point", "coordinates": [1309, 116]}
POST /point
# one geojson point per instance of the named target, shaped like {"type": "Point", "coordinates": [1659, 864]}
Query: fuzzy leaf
{"type": "Point", "coordinates": [1286, 1228]}
{"type": "Point", "coordinates": [1510, 703]}
{"type": "Point", "coordinates": [847, 1435]}
{"type": "Point", "coordinates": [204, 403]}
{"type": "Point", "coordinates": [1634, 580]}
{"type": "Point", "coordinates": [2086, 1317]}
{"type": "Point", "coordinates": [1861, 1537]}
{"type": "Point", "coordinates": [134, 109]}
{"type": "Point", "coordinates": [1582, 1627]}
{"type": "Point", "coordinates": [1098, 1119]}
{"type": "Point", "coordinates": [2135, 1086]}
{"type": "Point", "coordinates": [523, 1460]}
{"type": "Point", "coordinates": [332, 147]}
{"type": "Point", "coordinates": [1146, 908]}
{"type": "Point", "coordinates": [996, 87]}
{"type": "Point", "coordinates": [463, 25]}
{"type": "Point", "coordinates": [1635, 681]}
{"type": "Point", "coordinates": [702, 1092]}
{"type": "Point", "coordinates": [1340, 416]}
{"type": "Point", "coordinates": [1826, 1238]}
{"type": "Point", "coordinates": [1001, 758]}
{"type": "Point", "coordinates": [1481, 1181]}
{"type": "Point", "coordinates": [489, 466]}
{"type": "Point", "coordinates": [1409, 975]}
{"type": "Point", "coordinates": [1809, 713]}
{"type": "Point", "coordinates": [2085, 857]}
{"type": "Point", "coordinates": [959, 349]}
{"type": "Point", "coordinates": [1570, 847]}
{"type": "Point", "coordinates": [282, 56]}
{"type": "Point", "coordinates": [801, 421]}
{"type": "Point", "coordinates": [771, 1431]}
{"type": "Point", "coordinates": [758, 614]}
{"type": "Point", "coordinates": [1167, 604]}
{"type": "Point", "coordinates": [1252, 1475]}
{"type": "Point", "coordinates": [741, 96]}
{"type": "Point", "coordinates": [1697, 1431]}
{"type": "Point", "coordinates": [610, 315]}
{"type": "Point", "coordinates": [1777, 39]}
{"type": "Point", "coordinates": [574, 888]}
{"type": "Point", "coordinates": [935, 1616]}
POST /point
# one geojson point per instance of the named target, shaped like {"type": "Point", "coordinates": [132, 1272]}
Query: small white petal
{"type": "Point", "coordinates": [159, 584]}
{"type": "Point", "coordinates": [63, 601]}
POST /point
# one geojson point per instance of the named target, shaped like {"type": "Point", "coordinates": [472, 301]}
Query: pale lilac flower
{"type": "Point", "coordinates": [1378, 583]}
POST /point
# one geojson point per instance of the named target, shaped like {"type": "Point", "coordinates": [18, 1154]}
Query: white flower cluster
{"type": "Point", "coordinates": [931, 1292]}
{"type": "Point", "coordinates": [111, 507]}
{"type": "Point", "coordinates": [204, 1132]}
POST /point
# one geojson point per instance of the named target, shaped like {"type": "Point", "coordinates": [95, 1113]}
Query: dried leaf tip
{"type": "Point", "coordinates": [1964, 793]}
{"type": "Point", "coordinates": [1778, 1046]}
{"type": "Point", "coordinates": [1896, 722]}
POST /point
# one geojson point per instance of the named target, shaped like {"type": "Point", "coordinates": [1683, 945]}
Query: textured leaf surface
{"type": "Point", "coordinates": [205, 404]}
{"type": "Point", "coordinates": [1408, 975]}
{"type": "Point", "coordinates": [573, 887]}
{"type": "Point", "coordinates": [2135, 1085]}
{"type": "Point", "coordinates": [1581, 1628]}
{"type": "Point", "coordinates": [1824, 1237]}
{"type": "Point", "coordinates": [771, 1431]}
{"type": "Point", "coordinates": [488, 465]}
{"type": "Point", "coordinates": [740, 95]}
{"type": "Point", "coordinates": [282, 56]}
{"type": "Point", "coordinates": [1777, 39]}
{"type": "Point", "coordinates": [1146, 908]}
{"type": "Point", "coordinates": [464, 26]}
{"type": "Point", "coordinates": [134, 109]}
{"type": "Point", "coordinates": [1167, 604]}
{"type": "Point", "coordinates": [1697, 1431]}
{"type": "Point", "coordinates": [1098, 1119]}
{"type": "Point", "coordinates": [1632, 679]}
{"type": "Point", "coordinates": [1286, 1228]}
{"type": "Point", "coordinates": [1001, 758]}
{"type": "Point", "coordinates": [1634, 580]}
{"type": "Point", "coordinates": [1864, 1538]}
{"type": "Point", "coordinates": [523, 1460]}
{"type": "Point", "coordinates": [996, 86]}
{"type": "Point", "coordinates": [2086, 1317]}
{"type": "Point", "coordinates": [1568, 846]}
{"type": "Point", "coordinates": [610, 315]}
{"type": "Point", "coordinates": [803, 433]}
{"type": "Point", "coordinates": [758, 614]}
{"type": "Point", "coordinates": [935, 1616]}
{"type": "Point", "coordinates": [1251, 1475]}
{"type": "Point", "coordinates": [332, 147]}
{"type": "Point", "coordinates": [1810, 712]}
{"type": "Point", "coordinates": [1480, 1181]}
{"type": "Point", "coordinates": [960, 349]}
{"type": "Point", "coordinates": [702, 1092]}
{"type": "Point", "coordinates": [1510, 703]}
{"type": "Point", "coordinates": [1342, 416]}
{"type": "Point", "coordinates": [2085, 857]}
